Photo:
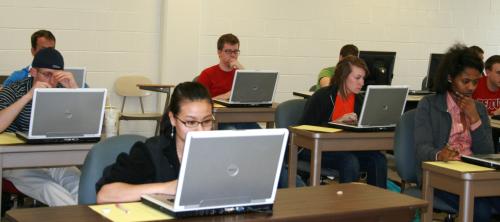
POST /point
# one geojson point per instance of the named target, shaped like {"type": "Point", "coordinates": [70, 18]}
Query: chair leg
{"type": "Point", "coordinates": [157, 131]}
{"type": "Point", "coordinates": [118, 128]}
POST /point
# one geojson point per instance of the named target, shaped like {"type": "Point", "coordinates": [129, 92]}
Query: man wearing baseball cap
{"type": "Point", "coordinates": [52, 186]}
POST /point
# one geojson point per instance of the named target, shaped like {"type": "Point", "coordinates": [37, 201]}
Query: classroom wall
{"type": "Point", "coordinates": [298, 38]}
{"type": "Point", "coordinates": [171, 41]}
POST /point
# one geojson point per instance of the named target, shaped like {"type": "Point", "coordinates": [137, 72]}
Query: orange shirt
{"type": "Point", "coordinates": [342, 107]}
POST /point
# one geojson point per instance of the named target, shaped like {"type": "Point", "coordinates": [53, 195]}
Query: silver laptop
{"type": "Point", "coordinates": [486, 160]}
{"type": "Point", "coordinates": [80, 74]}
{"type": "Point", "coordinates": [226, 171]}
{"type": "Point", "coordinates": [252, 88]}
{"type": "Point", "coordinates": [65, 115]}
{"type": "Point", "coordinates": [381, 111]}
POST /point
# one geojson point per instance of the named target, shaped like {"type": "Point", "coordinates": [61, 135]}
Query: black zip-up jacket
{"type": "Point", "coordinates": [319, 107]}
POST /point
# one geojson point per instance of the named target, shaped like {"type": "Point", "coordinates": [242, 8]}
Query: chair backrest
{"type": "Point", "coordinates": [424, 84]}
{"type": "Point", "coordinates": [404, 148]}
{"type": "Point", "coordinates": [127, 85]}
{"type": "Point", "coordinates": [312, 88]}
{"type": "Point", "coordinates": [289, 113]}
{"type": "Point", "coordinates": [100, 156]}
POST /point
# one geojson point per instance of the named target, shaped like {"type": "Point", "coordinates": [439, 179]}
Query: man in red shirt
{"type": "Point", "coordinates": [219, 78]}
{"type": "Point", "coordinates": [488, 88]}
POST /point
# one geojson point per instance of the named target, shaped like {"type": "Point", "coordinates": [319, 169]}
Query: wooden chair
{"type": "Point", "coordinates": [126, 86]}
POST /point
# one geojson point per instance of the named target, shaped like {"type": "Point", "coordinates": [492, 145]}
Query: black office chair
{"type": "Point", "coordinates": [404, 153]}
{"type": "Point", "coordinates": [287, 114]}
{"type": "Point", "coordinates": [312, 88]}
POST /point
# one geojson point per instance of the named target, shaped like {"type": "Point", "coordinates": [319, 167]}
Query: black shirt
{"type": "Point", "coordinates": [152, 161]}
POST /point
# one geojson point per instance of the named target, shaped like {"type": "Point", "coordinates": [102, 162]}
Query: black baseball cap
{"type": "Point", "coordinates": [48, 58]}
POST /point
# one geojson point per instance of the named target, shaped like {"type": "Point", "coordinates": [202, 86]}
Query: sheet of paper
{"type": "Point", "coordinates": [216, 105]}
{"type": "Point", "coordinates": [135, 211]}
{"type": "Point", "coordinates": [317, 128]}
{"type": "Point", "coordinates": [9, 138]}
{"type": "Point", "coordinates": [460, 166]}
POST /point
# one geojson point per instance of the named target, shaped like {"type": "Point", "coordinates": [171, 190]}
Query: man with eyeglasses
{"type": "Point", "coordinates": [51, 186]}
{"type": "Point", "coordinates": [39, 40]}
{"type": "Point", "coordinates": [218, 79]}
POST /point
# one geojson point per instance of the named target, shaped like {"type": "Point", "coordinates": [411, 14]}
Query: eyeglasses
{"type": "Point", "coordinates": [194, 124]}
{"type": "Point", "coordinates": [229, 51]}
{"type": "Point", "coordinates": [46, 75]}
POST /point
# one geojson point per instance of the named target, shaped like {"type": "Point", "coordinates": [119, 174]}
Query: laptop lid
{"type": "Point", "coordinates": [487, 160]}
{"type": "Point", "coordinates": [383, 106]}
{"type": "Point", "coordinates": [253, 87]}
{"type": "Point", "coordinates": [80, 75]}
{"type": "Point", "coordinates": [67, 113]}
{"type": "Point", "coordinates": [229, 168]}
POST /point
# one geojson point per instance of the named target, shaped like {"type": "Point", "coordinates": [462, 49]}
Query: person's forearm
{"type": "Point", "coordinates": [123, 192]}
{"type": "Point", "coordinates": [9, 114]}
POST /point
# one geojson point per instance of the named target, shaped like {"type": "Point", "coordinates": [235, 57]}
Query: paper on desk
{"type": "Point", "coordinates": [317, 128]}
{"type": "Point", "coordinates": [216, 105]}
{"type": "Point", "coordinates": [136, 211]}
{"type": "Point", "coordinates": [9, 138]}
{"type": "Point", "coordinates": [460, 166]}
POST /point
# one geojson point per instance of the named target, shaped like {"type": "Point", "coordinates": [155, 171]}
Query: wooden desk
{"type": "Point", "coordinates": [359, 202]}
{"type": "Point", "coordinates": [495, 124]}
{"type": "Point", "coordinates": [50, 155]}
{"type": "Point", "coordinates": [340, 141]}
{"type": "Point", "coordinates": [158, 88]}
{"type": "Point", "coordinates": [466, 185]}
{"type": "Point", "coordinates": [244, 115]}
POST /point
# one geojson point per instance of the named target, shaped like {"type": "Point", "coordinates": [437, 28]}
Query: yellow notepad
{"type": "Point", "coordinates": [135, 211]}
{"type": "Point", "coordinates": [460, 166]}
{"type": "Point", "coordinates": [317, 128]}
{"type": "Point", "coordinates": [9, 138]}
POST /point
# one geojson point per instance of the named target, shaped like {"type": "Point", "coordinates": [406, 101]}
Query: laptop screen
{"type": "Point", "coordinates": [230, 167]}
{"type": "Point", "coordinates": [79, 74]}
{"type": "Point", "coordinates": [250, 86]}
{"type": "Point", "coordinates": [67, 112]}
{"type": "Point", "coordinates": [383, 105]}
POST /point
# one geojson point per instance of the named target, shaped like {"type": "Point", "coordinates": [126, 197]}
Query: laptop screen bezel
{"type": "Point", "coordinates": [367, 95]}
{"type": "Point", "coordinates": [76, 90]}
{"type": "Point", "coordinates": [228, 133]}
{"type": "Point", "coordinates": [264, 72]}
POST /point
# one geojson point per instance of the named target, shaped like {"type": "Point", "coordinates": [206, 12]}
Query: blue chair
{"type": "Point", "coordinates": [287, 114]}
{"type": "Point", "coordinates": [404, 153]}
{"type": "Point", "coordinates": [100, 156]}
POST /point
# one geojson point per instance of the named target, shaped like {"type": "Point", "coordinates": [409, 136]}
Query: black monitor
{"type": "Point", "coordinates": [380, 65]}
{"type": "Point", "coordinates": [434, 61]}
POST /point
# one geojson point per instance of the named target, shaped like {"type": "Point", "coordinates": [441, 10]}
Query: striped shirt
{"type": "Point", "coordinates": [10, 95]}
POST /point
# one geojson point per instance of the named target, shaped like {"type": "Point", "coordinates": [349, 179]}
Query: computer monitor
{"type": "Point", "coordinates": [380, 65]}
{"type": "Point", "coordinates": [434, 61]}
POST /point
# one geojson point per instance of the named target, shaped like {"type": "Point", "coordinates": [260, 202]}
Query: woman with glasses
{"type": "Point", "coordinates": [341, 102]}
{"type": "Point", "coordinates": [450, 123]}
{"type": "Point", "coordinates": [138, 172]}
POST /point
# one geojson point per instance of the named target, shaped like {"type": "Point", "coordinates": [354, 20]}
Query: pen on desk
{"type": "Point", "coordinates": [119, 206]}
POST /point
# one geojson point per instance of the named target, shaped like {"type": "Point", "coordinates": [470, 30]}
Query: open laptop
{"type": "Point", "coordinates": [381, 111]}
{"type": "Point", "coordinates": [486, 160]}
{"type": "Point", "coordinates": [226, 171]}
{"type": "Point", "coordinates": [80, 74]}
{"type": "Point", "coordinates": [61, 115]}
{"type": "Point", "coordinates": [251, 88]}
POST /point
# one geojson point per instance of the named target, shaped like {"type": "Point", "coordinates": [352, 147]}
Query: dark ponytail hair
{"type": "Point", "coordinates": [184, 92]}
{"type": "Point", "coordinates": [455, 61]}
